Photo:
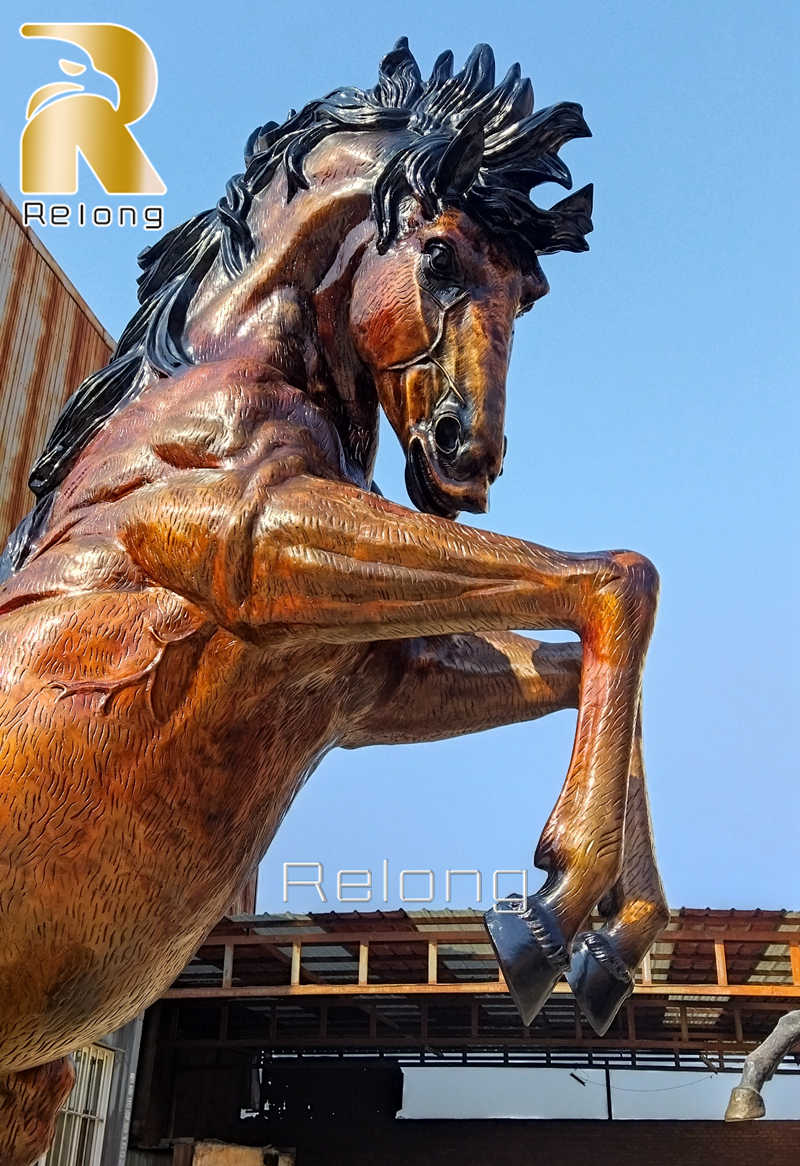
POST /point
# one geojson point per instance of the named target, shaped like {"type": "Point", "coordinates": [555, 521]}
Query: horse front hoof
{"type": "Point", "coordinates": [530, 949]}
{"type": "Point", "coordinates": [745, 1105]}
{"type": "Point", "coordinates": [600, 981]}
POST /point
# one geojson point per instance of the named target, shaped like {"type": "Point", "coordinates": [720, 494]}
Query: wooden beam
{"type": "Point", "coordinates": [522, 1043]}
{"type": "Point", "coordinates": [720, 961]}
{"type": "Point", "coordinates": [313, 977]}
{"type": "Point", "coordinates": [794, 958]}
{"type": "Point", "coordinates": [647, 969]}
{"type": "Point", "coordinates": [433, 962]}
{"type": "Point", "coordinates": [752, 991]}
{"type": "Point", "coordinates": [363, 963]}
{"type": "Point", "coordinates": [737, 1025]}
{"type": "Point", "coordinates": [227, 966]}
{"type": "Point", "coordinates": [294, 979]}
{"type": "Point", "coordinates": [478, 934]}
{"type": "Point", "coordinates": [631, 1017]}
{"type": "Point", "coordinates": [326, 938]}
{"type": "Point", "coordinates": [729, 935]}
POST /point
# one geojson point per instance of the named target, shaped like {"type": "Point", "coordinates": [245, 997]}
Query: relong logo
{"type": "Point", "coordinates": [64, 121]}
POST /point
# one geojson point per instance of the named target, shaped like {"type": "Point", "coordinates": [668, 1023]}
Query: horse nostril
{"type": "Point", "coordinates": [447, 434]}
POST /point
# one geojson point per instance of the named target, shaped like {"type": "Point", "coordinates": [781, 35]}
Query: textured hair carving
{"type": "Point", "coordinates": [459, 141]}
{"type": "Point", "coordinates": [513, 149]}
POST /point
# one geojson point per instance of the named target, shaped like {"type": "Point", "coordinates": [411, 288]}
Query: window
{"type": "Point", "coordinates": [81, 1123]}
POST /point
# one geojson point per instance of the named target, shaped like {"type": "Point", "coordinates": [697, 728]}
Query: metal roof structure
{"type": "Point", "coordinates": [424, 986]}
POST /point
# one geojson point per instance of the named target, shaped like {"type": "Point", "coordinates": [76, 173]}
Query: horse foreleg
{"type": "Point", "coordinates": [603, 963]}
{"type": "Point", "coordinates": [432, 688]}
{"type": "Point", "coordinates": [29, 1102]}
{"type": "Point", "coordinates": [746, 1102]}
{"type": "Point", "coordinates": [435, 687]}
{"type": "Point", "coordinates": [318, 560]}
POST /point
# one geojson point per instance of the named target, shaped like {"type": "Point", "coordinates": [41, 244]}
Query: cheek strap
{"type": "Point", "coordinates": [427, 356]}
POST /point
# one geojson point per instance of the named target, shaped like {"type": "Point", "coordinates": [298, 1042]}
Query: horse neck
{"type": "Point", "coordinates": [290, 306]}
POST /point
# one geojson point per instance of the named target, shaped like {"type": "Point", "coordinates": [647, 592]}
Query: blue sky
{"type": "Point", "coordinates": [651, 397]}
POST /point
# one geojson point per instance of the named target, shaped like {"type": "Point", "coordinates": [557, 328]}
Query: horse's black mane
{"type": "Point", "coordinates": [520, 151]}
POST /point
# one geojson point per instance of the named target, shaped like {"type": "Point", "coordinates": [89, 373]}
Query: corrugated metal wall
{"type": "Point", "coordinates": [49, 341]}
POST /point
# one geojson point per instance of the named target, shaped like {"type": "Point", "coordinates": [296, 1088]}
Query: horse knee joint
{"type": "Point", "coordinates": [638, 576]}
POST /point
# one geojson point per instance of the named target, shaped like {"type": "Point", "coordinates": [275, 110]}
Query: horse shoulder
{"type": "Point", "coordinates": [216, 447]}
{"type": "Point", "coordinates": [185, 449]}
{"type": "Point", "coordinates": [233, 416]}
{"type": "Point", "coordinates": [240, 413]}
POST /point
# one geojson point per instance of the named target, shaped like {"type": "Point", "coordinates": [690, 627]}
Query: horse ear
{"type": "Point", "coordinates": [459, 164]}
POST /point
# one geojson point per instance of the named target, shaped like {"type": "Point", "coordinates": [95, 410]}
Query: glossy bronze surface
{"type": "Point", "coordinates": [209, 594]}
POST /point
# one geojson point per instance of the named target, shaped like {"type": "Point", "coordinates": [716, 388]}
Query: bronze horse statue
{"type": "Point", "coordinates": [211, 593]}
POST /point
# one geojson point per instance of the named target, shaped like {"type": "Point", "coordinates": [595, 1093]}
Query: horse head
{"type": "Point", "coordinates": [432, 319]}
{"type": "Point", "coordinates": [435, 253]}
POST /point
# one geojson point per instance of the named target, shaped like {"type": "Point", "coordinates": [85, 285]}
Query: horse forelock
{"type": "Point", "coordinates": [421, 123]}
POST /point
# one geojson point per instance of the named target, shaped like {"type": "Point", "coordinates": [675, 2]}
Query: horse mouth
{"type": "Point", "coordinates": [423, 488]}
{"type": "Point", "coordinates": [432, 493]}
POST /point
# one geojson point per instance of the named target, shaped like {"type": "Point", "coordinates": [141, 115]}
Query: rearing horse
{"type": "Point", "coordinates": [210, 592]}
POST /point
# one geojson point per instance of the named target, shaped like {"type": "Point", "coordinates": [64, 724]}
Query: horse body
{"type": "Point", "coordinates": [210, 594]}
{"type": "Point", "coordinates": [149, 754]}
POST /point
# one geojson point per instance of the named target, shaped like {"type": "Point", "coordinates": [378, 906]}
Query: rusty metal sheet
{"type": "Point", "coordinates": [50, 340]}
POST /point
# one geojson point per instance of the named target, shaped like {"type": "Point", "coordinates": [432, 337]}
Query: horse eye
{"type": "Point", "coordinates": [441, 259]}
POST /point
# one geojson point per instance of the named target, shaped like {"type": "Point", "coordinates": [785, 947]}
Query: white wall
{"type": "Point", "coordinates": [471, 1092]}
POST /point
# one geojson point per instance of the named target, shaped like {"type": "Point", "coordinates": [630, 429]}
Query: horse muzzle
{"type": "Point", "coordinates": [435, 453]}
